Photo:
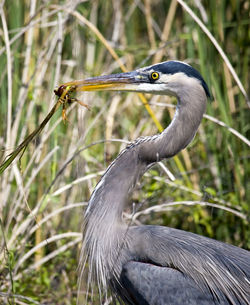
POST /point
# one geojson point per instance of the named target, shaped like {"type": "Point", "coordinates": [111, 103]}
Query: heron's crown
{"type": "Point", "coordinates": [174, 66]}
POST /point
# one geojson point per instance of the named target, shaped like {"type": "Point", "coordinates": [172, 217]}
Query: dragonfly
{"type": "Point", "coordinates": [64, 93]}
{"type": "Point", "coordinates": [113, 82]}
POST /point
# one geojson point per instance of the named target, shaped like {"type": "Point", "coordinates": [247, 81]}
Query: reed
{"type": "Point", "coordinates": [205, 189]}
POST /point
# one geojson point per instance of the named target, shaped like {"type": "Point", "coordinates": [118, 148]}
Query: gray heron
{"type": "Point", "coordinates": [154, 264]}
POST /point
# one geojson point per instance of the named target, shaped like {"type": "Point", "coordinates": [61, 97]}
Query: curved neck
{"type": "Point", "coordinates": [103, 226]}
{"type": "Point", "coordinates": [111, 194]}
{"type": "Point", "coordinates": [177, 135]}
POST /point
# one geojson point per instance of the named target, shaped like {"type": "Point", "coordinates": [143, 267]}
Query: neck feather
{"type": "Point", "coordinates": [179, 133]}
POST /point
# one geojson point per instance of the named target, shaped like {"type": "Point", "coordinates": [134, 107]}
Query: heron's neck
{"type": "Point", "coordinates": [111, 194]}
{"type": "Point", "coordinates": [178, 134]}
{"type": "Point", "coordinates": [103, 226]}
{"type": "Point", "coordinates": [103, 218]}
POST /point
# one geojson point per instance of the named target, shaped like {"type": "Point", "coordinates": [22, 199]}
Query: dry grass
{"type": "Point", "coordinates": [204, 189]}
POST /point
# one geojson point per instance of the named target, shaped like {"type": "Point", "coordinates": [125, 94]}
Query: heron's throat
{"type": "Point", "coordinates": [178, 134]}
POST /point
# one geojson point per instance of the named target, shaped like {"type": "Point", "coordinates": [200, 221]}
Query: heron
{"type": "Point", "coordinates": [147, 264]}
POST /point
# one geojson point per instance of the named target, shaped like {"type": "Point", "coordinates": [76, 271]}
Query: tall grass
{"type": "Point", "coordinates": [205, 189]}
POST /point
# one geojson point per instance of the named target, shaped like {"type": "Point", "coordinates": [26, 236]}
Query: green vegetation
{"type": "Point", "coordinates": [46, 43]}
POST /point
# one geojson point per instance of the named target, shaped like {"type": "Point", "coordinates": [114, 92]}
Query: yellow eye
{"type": "Point", "coordinates": [154, 75]}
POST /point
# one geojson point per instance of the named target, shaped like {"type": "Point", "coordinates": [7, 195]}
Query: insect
{"type": "Point", "coordinates": [64, 93]}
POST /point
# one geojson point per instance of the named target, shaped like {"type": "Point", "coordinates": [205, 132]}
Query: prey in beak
{"type": "Point", "coordinates": [128, 81]}
{"type": "Point", "coordinates": [64, 93]}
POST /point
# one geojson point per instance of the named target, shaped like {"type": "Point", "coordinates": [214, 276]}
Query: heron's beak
{"type": "Point", "coordinates": [128, 81]}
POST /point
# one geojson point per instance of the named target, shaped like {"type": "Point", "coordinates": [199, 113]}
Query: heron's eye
{"type": "Point", "coordinates": [154, 75]}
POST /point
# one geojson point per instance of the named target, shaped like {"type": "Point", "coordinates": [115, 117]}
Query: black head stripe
{"type": "Point", "coordinates": [172, 67]}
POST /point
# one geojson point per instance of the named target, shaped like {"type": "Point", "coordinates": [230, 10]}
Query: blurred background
{"type": "Point", "coordinates": [205, 189]}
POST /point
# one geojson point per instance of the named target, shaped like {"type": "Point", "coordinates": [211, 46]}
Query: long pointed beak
{"type": "Point", "coordinates": [128, 81]}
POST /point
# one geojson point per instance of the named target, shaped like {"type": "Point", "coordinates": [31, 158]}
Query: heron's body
{"type": "Point", "coordinates": [154, 264]}
{"type": "Point", "coordinates": [179, 273]}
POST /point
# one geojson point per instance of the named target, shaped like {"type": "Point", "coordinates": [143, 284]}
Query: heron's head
{"type": "Point", "coordinates": [170, 77]}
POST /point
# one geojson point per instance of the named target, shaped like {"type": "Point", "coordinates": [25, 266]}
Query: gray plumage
{"type": "Point", "coordinates": [155, 264]}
